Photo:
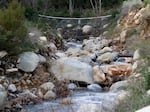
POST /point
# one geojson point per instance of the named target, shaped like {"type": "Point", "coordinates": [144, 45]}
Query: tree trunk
{"type": "Point", "coordinates": [71, 7]}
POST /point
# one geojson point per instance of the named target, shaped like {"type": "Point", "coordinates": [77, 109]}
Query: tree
{"type": "Point", "coordinates": [12, 29]}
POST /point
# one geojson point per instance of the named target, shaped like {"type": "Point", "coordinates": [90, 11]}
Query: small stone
{"type": "Point", "coordinates": [137, 22]}
{"type": "Point", "coordinates": [66, 101]}
{"type": "Point", "coordinates": [28, 81]}
{"type": "Point", "coordinates": [94, 87]}
{"type": "Point", "coordinates": [123, 36]}
{"type": "Point", "coordinates": [69, 25]}
{"type": "Point", "coordinates": [49, 95]}
{"type": "Point", "coordinates": [40, 94]}
{"type": "Point", "coordinates": [12, 88]}
{"type": "Point", "coordinates": [29, 93]}
{"type": "Point", "coordinates": [72, 86]}
{"type": "Point", "coordinates": [3, 54]}
{"type": "Point", "coordinates": [43, 39]}
{"type": "Point", "coordinates": [136, 55]}
{"type": "Point", "coordinates": [47, 86]}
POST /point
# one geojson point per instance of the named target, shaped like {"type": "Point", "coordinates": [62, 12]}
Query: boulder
{"type": "Point", "coordinates": [87, 29]}
{"type": "Point", "coordinates": [72, 86]}
{"type": "Point", "coordinates": [72, 69]}
{"type": "Point", "coordinates": [121, 85]}
{"type": "Point", "coordinates": [117, 69]}
{"type": "Point", "coordinates": [49, 95]}
{"type": "Point", "coordinates": [75, 52]}
{"type": "Point", "coordinates": [98, 75]}
{"type": "Point", "coordinates": [28, 61]}
{"type": "Point", "coordinates": [95, 44]}
{"type": "Point", "coordinates": [3, 54]}
{"type": "Point", "coordinates": [144, 109]}
{"type": "Point", "coordinates": [47, 86]}
{"type": "Point", "coordinates": [12, 88]}
{"type": "Point", "coordinates": [3, 96]}
{"type": "Point", "coordinates": [122, 97]}
{"type": "Point", "coordinates": [94, 87]}
{"type": "Point", "coordinates": [107, 57]}
{"type": "Point", "coordinates": [106, 49]}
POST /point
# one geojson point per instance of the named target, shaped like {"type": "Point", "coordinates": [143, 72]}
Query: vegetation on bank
{"type": "Point", "coordinates": [13, 33]}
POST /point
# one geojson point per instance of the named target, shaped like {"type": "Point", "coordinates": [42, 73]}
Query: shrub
{"type": "Point", "coordinates": [12, 29]}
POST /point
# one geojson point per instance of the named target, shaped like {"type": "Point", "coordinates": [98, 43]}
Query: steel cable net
{"type": "Point", "coordinates": [72, 28]}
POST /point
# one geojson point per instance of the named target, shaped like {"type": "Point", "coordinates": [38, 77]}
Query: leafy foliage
{"type": "Point", "coordinates": [12, 29]}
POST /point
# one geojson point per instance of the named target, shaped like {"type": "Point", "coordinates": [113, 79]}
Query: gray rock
{"type": "Point", "coordinates": [42, 59]}
{"type": "Point", "coordinates": [12, 88]}
{"type": "Point", "coordinates": [121, 85]}
{"type": "Point", "coordinates": [94, 87]}
{"type": "Point", "coordinates": [106, 57]}
{"type": "Point", "coordinates": [49, 95]}
{"type": "Point", "coordinates": [137, 55]}
{"type": "Point", "coordinates": [93, 56]}
{"type": "Point", "coordinates": [72, 69]}
{"type": "Point", "coordinates": [87, 29]}
{"type": "Point", "coordinates": [47, 86]}
{"type": "Point", "coordinates": [72, 86]}
{"type": "Point", "coordinates": [28, 61]}
{"type": "Point", "coordinates": [3, 96]}
{"type": "Point", "coordinates": [28, 93]}
{"type": "Point", "coordinates": [3, 54]}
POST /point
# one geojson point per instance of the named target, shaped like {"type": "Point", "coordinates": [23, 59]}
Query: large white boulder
{"type": "Point", "coordinates": [72, 69]}
{"type": "Point", "coordinates": [28, 61]}
{"type": "Point", "coordinates": [145, 109]}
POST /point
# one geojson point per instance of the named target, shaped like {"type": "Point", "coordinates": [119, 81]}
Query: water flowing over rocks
{"type": "Point", "coordinates": [81, 101]}
{"type": "Point", "coordinates": [3, 96]}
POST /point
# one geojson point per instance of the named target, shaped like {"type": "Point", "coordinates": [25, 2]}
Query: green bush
{"type": "Point", "coordinates": [12, 30]}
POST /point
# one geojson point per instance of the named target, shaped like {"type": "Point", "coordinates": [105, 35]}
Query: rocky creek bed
{"type": "Point", "coordinates": [90, 76]}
